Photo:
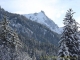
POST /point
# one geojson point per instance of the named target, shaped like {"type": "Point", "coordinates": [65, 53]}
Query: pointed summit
{"type": "Point", "coordinates": [42, 12]}
{"type": "Point", "coordinates": [44, 20]}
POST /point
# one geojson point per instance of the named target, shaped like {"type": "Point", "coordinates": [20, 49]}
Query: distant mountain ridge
{"type": "Point", "coordinates": [37, 40]}
{"type": "Point", "coordinates": [43, 19]}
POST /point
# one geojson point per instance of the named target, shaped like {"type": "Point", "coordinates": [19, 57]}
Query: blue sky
{"type": "Point", "coordinates": [54, 9]}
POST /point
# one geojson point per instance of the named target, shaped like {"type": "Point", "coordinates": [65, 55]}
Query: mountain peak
{"type": "Point", "coordinates": [42, 12]}
{"type": "Point", "coordinates": [44, 20]}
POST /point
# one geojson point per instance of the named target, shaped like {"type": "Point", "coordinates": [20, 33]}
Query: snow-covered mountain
{"type": "Point", "coordinates": [43, 19]}
{"type": "Point", "coordinates": [37, 40]}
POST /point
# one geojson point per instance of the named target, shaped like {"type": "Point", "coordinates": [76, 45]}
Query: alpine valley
{"type": "Point", "coordinates": [38, 34]}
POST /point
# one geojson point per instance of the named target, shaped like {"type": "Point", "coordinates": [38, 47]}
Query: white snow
{"type": "Point", "coordinates": [38, 17]}
{"type": "Point", "coordinates": [43, 19]}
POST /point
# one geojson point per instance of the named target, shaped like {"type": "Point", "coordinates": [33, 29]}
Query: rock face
{"type": "Point", "coordinates": [37, 40]}
{"type": "Point", "coordinates": [44, 20]}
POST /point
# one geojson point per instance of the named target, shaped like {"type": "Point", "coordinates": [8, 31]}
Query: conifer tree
{"type": "Point", "coordinates": [8, 41]}
{"type": "Point", "coordinates": [69, 45]}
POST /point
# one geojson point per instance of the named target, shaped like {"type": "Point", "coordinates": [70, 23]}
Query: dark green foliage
{"type": "Point", "coordinates": [7, 41]}
{"type": "Point", "coordinates": [69, 44]}
{"type": "Point", "coordinates": [35, 39]}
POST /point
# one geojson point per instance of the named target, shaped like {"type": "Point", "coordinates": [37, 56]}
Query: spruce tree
{"type": "Point", "coordinates": [8, 41]}
{"type": "Point", "coordinates": [68, 44]}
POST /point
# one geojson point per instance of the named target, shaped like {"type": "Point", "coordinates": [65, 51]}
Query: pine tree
{"type": "Point", "coordinates": [68, 43]}
{"type": "Point", "coordinates": [8, 41]}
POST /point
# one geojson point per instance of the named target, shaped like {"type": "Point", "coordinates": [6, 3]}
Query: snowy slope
{"type": "Point", "coordinates": [43, 19]}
